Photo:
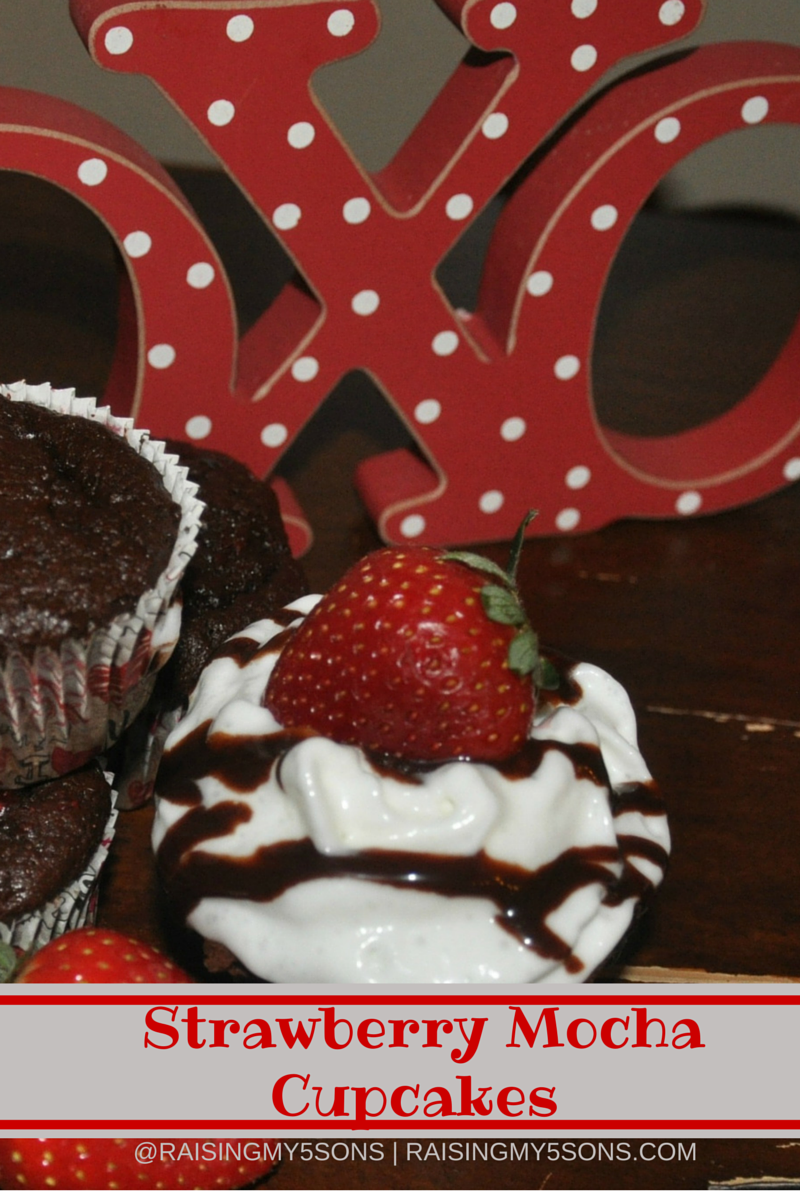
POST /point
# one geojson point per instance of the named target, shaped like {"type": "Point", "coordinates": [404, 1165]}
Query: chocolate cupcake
{"type": "Point", "coordinates": [54, 837]}
{"type": "Point", "coordinates": [98, 525]}
{"type": "Point", "coordinates": [243, 570]}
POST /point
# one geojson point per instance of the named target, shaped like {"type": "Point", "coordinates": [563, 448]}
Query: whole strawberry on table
{"type": "Point", "coordinates": [95, 1164]}
{"type": "Point", "coordinates": [91, 955]}
{"type": "Point", "coordinates": [87, 956]}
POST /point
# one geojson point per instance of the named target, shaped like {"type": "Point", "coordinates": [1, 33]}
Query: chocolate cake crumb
{"type": "Point", "coordinates": [48, 834]}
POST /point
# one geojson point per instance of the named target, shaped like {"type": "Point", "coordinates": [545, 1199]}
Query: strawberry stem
{"type": "Point", "coordinates": [516, 545]}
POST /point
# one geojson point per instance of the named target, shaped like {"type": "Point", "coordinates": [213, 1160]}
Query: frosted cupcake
{"type": "Point", "coordinates": [390, 785]}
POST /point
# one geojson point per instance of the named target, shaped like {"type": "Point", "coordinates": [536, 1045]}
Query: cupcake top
{"type": "Point", "coordinates": [242, 569]}
{"type": "Point", "coordinates": [86, 526]}
{"type": "Point", "coordinates": [48, 833]}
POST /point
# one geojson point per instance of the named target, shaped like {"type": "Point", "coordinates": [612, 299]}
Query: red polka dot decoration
{"type": "Point", "coordinates": [499, 400]}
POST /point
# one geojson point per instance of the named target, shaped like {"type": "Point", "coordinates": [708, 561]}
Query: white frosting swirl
{"type": "Point", "coordinates": [368, 930]}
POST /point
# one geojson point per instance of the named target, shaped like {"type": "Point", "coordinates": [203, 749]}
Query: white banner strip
{"type": "Point", "coordinates": [590, 1060]}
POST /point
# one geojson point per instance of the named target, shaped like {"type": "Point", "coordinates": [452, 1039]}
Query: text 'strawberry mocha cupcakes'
{"type": "Point", "coordinates": [389, 784]}
{"type": "Point", "coordinates": [98, 523]}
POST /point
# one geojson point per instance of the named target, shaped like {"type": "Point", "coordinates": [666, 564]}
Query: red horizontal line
{"type": "Point", "coordinates": [412, 1124]}
{"type": "Point", "coordinates": [373, 1001]}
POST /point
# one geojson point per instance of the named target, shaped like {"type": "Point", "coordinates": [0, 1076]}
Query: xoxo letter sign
{"type": "Point", "coordinates": [490, 396]}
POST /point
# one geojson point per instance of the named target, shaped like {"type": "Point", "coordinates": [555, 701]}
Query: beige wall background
{"type": "Point", "coordinates": [377, 97]}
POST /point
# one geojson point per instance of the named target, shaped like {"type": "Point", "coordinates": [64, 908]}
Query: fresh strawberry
{"type": "Point", "coordinates": [99, 956]}
{"type": "Point", "coordinates": [100, 1163]}
{"type": "Point", "coordinates": [417, 653]}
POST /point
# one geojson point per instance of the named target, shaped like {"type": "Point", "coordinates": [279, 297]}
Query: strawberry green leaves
{"type": "Point", "coordinates": [8, 962]}
{"type": "Point", "coordinates": [502, 603]}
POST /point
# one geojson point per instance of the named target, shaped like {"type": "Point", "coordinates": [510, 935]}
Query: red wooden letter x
{"type": "Point", "coordinates": [499, 400]}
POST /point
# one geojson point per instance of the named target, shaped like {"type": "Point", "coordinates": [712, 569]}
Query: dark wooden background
{"type": "Point", "coordinates": [699, 618]}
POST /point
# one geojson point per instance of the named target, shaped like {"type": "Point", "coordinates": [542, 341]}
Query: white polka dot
{"type": "Point", "coordinates": [671, 12]}
{"type": "Point", "coordinates": [301, 134]}
{"type": "Point", "coordinates": [161, 355]}
{"type": "Point", "coordinates": [92, 171]}
{"type": "Point", "coordinates": [583, 8]}
{"type": "Point", "coordinates": [118, 40]}
{"type": "Point", "coordinates": [412, 525]}
{"type": "Point", "coordinates": [539, 283]}
{"type": "Point", "coordinates": [200, 275]}
{"type": "Point", "coordinates": [503, 15]}
{"type": "Point", "coordinates": [567, 519]}
{"type": "Point", "coordinates": [365, 303]}
{"type": "Point", "coordinates": [491, 502]}
{"type": "Point", "coordinates": [341, 22]}
{"type": "Point", "coordinates": [305, 369]}
{"type": "Point", "coordinates": [274, 435]}
{"type": "Point", "coordinates": [577, 477]}
{"type": "Point", "coordinates": [240, 28]}
{"type": "Point", "coordinates": [583, 58]}
{"type": "Point", "coordinates": [667, 130]}
{"type": "Point", "coordinates": [357, 210]}
{"type": "Point", "coordinates": [567, 366]}
{"type": "Point", "coordinates": [137, 244]}
{"type": "Point", "coordinates": [198, 428]}
{"type": "Point", "coordinates": [495, 125]}
{"type": "Point", "coordinates": [428, 411]}
{"type": "Point", "coordinates": [221, 112]}
{"type": "Point", "coordinates": [286, 216]}
{"type": "Point", "coordinates": [445, 343]}
{"type": "Point", "coordinates": [755, 109]}
{"type": "Point", "coordinates": [688, 503]}
{"type": "Point", "coordinates": [604, 217]}
{"type": "Point", "coordinates": [512, 429]}
{"type": "Point", "coordinates": [791, 469]}
{"type": "Point", "coordinates": [459, 206]}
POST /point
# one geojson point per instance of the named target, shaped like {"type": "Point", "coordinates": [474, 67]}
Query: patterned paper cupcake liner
{"type": "Point", "coordinates": [73, 907]}
{"type": "Point", "coordinates": [63, 706]}
{"type": "Point", "coordinates": [143, 747]}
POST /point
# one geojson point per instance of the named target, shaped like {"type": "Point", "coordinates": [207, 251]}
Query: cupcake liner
{"type": "Point", "coordinates": [62, 706]}
{"type": "Point", "coordinates": [142, 750]}
{"type": "Point", "coordinates": [73, 907]}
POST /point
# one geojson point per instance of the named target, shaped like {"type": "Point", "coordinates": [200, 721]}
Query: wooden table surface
{"type": "Point", "coordinates": [699, 618]}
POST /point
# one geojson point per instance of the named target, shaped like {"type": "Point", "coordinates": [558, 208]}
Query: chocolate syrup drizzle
{"type": "Point", "coordinates": [524, 899]}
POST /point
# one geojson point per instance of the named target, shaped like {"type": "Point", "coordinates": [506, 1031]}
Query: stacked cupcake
{"type": "Point", "coordinates": [97, 524]}
{"type": "Point", "coordinates": [243, 570]}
